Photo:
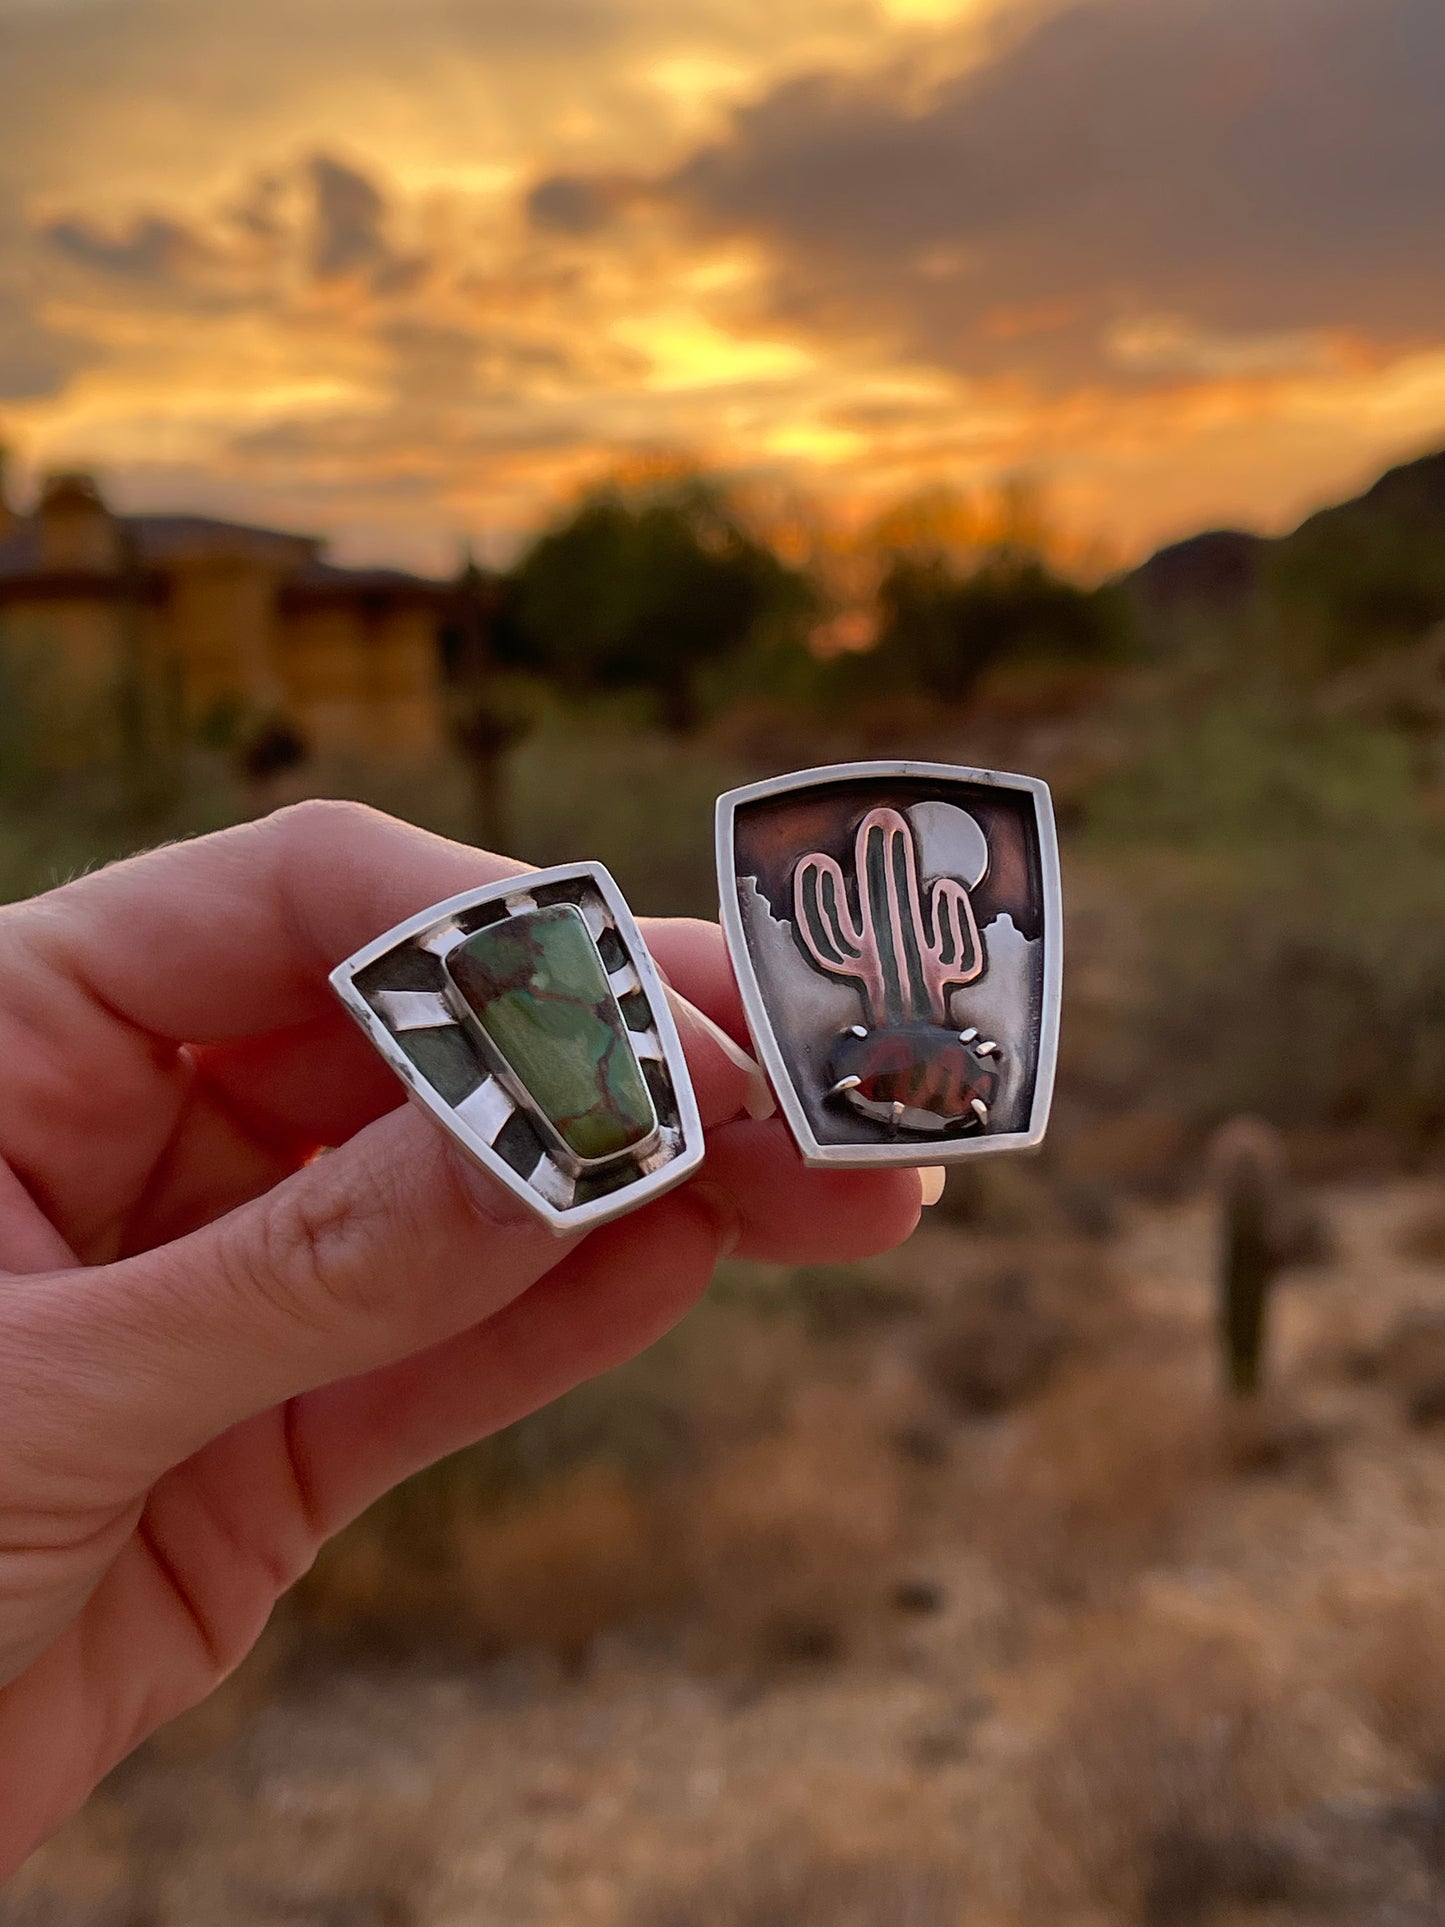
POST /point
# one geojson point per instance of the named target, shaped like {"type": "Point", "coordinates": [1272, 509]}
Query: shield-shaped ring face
{"type": "Point", "coordinates": [529, 1020]}
{"type": "Point", "coordinates": [895, 929]}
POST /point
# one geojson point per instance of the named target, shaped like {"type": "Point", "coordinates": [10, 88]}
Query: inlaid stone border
{"type": "Point", "coordinates": [399, 991]}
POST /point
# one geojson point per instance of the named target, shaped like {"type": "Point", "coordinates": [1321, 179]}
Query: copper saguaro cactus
{"type": "Point", "coordinates": [907, 953]}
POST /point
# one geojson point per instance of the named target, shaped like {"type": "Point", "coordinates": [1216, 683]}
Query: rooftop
{"type": "Point", "coordinates": [161, 541]}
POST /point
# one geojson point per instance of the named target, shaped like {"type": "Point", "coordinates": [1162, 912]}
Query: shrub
{"type": "Point", "coordinates": [1155, 1791]}
{"type": "Point", "coordinates": [997, 1346]}
{"type": "Point", "coordinates": [787, 1541]}
{"type": "Point", "coordinates": [546, 1573]}
{"type": "Point", "coordinates": [1092, 1481]}
{"type": "Point", "coordinates": [792, 1890]}
{"type": "Point", "coordinates": [1318, 997]}
{"type": "Point", "coordinates": [1402, 1684]}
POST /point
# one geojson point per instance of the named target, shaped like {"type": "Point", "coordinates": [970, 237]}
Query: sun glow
{"type": "Point", "coordinates": [686, 351]}
{"type": "Point", "coordinates": [930, 12]}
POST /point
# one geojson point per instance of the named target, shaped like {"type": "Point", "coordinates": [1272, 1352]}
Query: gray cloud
{"type": "Point", "coordinates": [350, 219]}
{"type": "Point", "coordinates": [151, 248]}
{"type": "Point", "coordinates": [327, 216]}
{"type": "Point", "coordinates": [1254, 167]}
{"type": "Point", "coordinates": [37, 357]}
{"type": "Point", "coordinates": [258, 210]}
{"type": "Point", "coordinates": [34, 360]}
{"type": "Point", "coordinates": [572, 204]}
{"type": "Point", "coordinates": [449, 368]}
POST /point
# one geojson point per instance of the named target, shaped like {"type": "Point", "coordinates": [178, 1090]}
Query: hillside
{"type": "Point", "coordinates": [1374, 564]}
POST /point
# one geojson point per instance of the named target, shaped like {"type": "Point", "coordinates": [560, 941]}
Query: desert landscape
{"type": "Point", "coordinates": [1078, 1563]}
{"type": "Point", "coordinates": [948, 1589]}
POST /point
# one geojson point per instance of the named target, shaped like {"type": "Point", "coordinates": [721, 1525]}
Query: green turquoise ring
{"type": "Point", "coordinates": [528, 1019]}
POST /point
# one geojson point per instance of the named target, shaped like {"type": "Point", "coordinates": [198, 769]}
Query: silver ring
{"type": "Point", "coordinates": [896, 932]}
{"type": "Point", "coordinates": [528, 1019]}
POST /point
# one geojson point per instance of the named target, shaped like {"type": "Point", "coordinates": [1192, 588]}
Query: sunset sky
{"type": "Point", "coordinates": [408, 271]}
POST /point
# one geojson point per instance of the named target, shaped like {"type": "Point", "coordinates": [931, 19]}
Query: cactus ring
{"type": "Point", "coordinates": [895, 932]}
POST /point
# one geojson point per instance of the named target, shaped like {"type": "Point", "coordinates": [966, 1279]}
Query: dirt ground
{"type": "Point", "coordinates": [1137, 1658]}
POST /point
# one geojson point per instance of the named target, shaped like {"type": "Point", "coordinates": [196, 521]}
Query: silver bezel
{"type": "Point", "coordinates": [932, 1150]}
{"type": "Point", "coordinates": [572, 1218]}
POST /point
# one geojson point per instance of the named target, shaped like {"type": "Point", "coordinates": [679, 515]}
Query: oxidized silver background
{"type": "Point", "coordinates": [995, 838]}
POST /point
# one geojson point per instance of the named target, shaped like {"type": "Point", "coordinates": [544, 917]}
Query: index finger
{"type": "Point", "coordinates": [224, 944]}
{"type": "Point", "coordinates": [233, 935]}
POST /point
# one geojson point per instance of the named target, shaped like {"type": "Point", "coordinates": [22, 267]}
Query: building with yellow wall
{"type": "Point", "coordinates": [201, 627]}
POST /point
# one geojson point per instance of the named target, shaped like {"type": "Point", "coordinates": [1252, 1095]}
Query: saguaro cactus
{"type": "Point", "coordinates": [905, 954]}
{"type": "Point", "coordinates": [905, 1067]}
{"type": "Point", "coordinates": [1252, 1186]}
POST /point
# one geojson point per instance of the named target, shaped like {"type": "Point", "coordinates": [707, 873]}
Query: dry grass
{"type": "Point", "coordinates": [1000, 1336]}
{"type": "Point", "coordinates": [1150, 1152]}
{"type": "Point", "coordinates": [1064, 1705]}
{"type": "Point", "coordinates": [160, 1818]}
{"type": "Point", "coordinates": [1155, 1791]}
{"type": "Point", "coordinates": [777, 1548]}
{"type": "Point", "coordinates": [788, 1542]}
{"type": "Point", "coordinates": [786, 1890]}
{"type": "Point", "coordinates": [385, 1878]}
{"type": "Point", "coordinates": [1421, 1238]}
{"type": "Point", "coordinates": [1274, 1436]}
{"type": "Point", "coordinates": [845, 1301]}
{"type": "Point", "coordinates": [1410, 1363]}
{"type": "Point", "coordinates": [998, 1346]}
{"type": "Point", "coordinates": [775, 1521]}
{"type": "Point", "coordinates": [1097, 1478]}
{"type": "Point", "coordinates": [569, 1565]}
{"type": "Point", "coordinates": [548, 1573]}
{"type": "Point", "coordinates": [565, 1526]}
{"type": "Point", "coordinates": [1401, 1679]}
{"type": "Point", "coordinates": [1028, 1199]}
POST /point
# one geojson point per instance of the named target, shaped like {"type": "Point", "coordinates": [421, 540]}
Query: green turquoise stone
{"type": "Point", "coordinates": [538, 988]}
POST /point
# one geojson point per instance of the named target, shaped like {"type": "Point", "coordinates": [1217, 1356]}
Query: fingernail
{"type": "Point", "coordinates": [758, 1102]}
{"type": "Point", "coordinates": [722, 1208]}
{"type": "Point", "coordinates": [932, 1178]}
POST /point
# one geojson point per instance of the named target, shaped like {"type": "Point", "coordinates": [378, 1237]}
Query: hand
{"type": "Point", "coordinates": [217, 1348]}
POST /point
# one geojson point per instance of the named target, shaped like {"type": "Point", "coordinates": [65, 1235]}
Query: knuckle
{"type": "Point", "coordinates": [322, 822]}
{"type": "Point", "coordinates": [316, 1252]}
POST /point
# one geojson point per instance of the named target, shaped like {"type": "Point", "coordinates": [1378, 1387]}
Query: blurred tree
{"type": "Point", "coordinates": [941, 629]}
{"type": "Point", "coordinates": [1009, 519]}
{"type": "Point", "coordinates": [485, 712]}
{"type": "Point", "coordinates": [648, 588]}
{"type": "Point", "coordinates": [935, 522]}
